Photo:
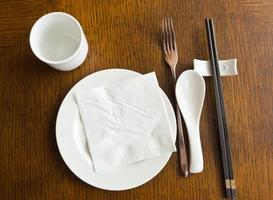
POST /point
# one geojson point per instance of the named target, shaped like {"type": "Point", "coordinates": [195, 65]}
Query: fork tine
{"type": "Point", "coordinates": [173, 35]}
{"type": "Point", "coordinates": [163, 37]}
{"type": "Point", "coordinates": [170, 34]}
{"type": "Point", "coordinates": [167, 36]}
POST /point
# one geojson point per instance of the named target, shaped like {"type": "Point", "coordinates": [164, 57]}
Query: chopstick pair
{"type": "Point", "coordinates": [230, 188]}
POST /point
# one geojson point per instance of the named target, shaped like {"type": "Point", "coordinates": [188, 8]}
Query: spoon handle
{"type": "Point", "coordinates": [196, 155]}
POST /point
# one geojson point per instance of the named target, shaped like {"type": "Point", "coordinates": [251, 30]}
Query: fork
{"type": "Point", "coordinates": [171, 58]}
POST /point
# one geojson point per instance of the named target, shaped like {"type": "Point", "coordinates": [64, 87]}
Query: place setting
{"type": "Point", "coordinates": [116, 129]}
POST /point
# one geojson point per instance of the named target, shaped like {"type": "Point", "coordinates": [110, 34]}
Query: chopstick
{"type": "Point", "coordinates": [231, 175]}
{"type": "Point", "coordinates": [229, 183]}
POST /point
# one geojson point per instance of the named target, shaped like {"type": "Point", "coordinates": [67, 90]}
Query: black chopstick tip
{"type": "Point", "coordinates": [234, 195]}
{"type": "Point", "coordinates": [231, 194]}
{"type": "Point", "coordinates": [209, 21]}
{"type": "Point", "coordinates": [228, 194]}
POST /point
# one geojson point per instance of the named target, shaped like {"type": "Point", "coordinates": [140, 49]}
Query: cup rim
{"type": "Point", "coordinates": [59, 61]}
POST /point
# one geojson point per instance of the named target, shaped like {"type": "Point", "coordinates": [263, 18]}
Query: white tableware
{"type": "Point", "coordinates": [190, 93]}
{"type": "Point", "coordinates": [58, 40]}
{"type": "Point", "coordinates": [227, 67]}
{"type": "Point", "coordinates": [72, 144]}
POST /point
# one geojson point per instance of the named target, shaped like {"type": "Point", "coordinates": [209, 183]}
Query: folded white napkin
{"type": "Point", "coordinates": [125, 122]}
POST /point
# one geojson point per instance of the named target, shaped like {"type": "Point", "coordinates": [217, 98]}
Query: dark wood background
{"type": "Point", "coordinates": [125, 34]}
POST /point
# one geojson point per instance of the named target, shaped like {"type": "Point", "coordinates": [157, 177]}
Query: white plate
{"type": "Point", "coordinates": [72, 143]}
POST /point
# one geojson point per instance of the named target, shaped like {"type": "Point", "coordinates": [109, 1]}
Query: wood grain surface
{"type": "Point", "coordinates": [126, 34]}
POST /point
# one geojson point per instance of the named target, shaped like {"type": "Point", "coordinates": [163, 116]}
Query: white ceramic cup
{"type": "Point", "coordinates": [58, 40]}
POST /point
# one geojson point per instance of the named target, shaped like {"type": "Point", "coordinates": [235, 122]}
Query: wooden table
{"type": "Point", "coordinates": [126, 34]}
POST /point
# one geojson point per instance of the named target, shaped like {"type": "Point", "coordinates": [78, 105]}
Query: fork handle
{"type": "Point", "coordinates": [182, 153]}
{"type": "Point", "coordinates": [183, 161]}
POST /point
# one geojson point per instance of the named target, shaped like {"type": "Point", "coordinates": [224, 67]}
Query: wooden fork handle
{"type": "Point", "coordinates": [182, 159]}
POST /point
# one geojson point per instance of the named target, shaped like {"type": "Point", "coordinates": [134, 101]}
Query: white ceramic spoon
{"type": "Point", "coordinates": [190, 93]}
